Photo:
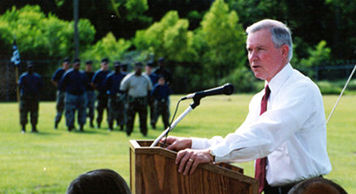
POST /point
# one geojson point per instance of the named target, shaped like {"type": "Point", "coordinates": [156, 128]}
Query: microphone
{"type": "Point", "coordinates": [225, 89]}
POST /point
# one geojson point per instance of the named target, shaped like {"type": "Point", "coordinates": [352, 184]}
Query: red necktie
{"type": "Point", "coordinates": [260, 167]}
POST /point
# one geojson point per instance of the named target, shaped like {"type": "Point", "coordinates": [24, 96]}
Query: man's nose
{"type": "Point", "coordinates": [252, 55]}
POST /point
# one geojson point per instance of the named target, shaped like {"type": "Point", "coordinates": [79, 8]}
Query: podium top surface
{"type": "Point", "coordinates": [143, 147]}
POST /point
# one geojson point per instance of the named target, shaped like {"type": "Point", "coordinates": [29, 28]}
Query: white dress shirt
{"type": "Point", "coordinates": [291, 133]}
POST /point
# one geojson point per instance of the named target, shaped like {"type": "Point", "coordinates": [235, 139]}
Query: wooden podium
{"type": "Point", "coordinates": [153, 171]}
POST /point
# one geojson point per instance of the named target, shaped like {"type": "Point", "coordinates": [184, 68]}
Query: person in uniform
{"type": "Point", "coordinates": [138, 87]}
{"type": "Point", "coordinates": [116, 98]}
{"type": "Point", "coordinates": [30, 84]}
{"type": "Point", "coordinates": [98, 83]}
{"type": "Point", "coordinates": [160, 94]}
{"type": "Point", "coordinates": [163, 71]}
{"type": "Point", "coordinates": [74, 83]}
{"type": "Point", "coordinates": [124, 68]}
{"type": "Point", "coordinates": [90, 92]}
{"type": "Point", "coordinates": [154, 79]}
{"type": "Point", "coordinates": [60, 94]}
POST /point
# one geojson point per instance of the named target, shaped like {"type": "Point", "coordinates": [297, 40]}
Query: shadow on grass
{"type": "Point", "coordinates": [43, 133]}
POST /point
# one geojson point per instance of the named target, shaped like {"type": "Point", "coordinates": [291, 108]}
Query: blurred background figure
{"type": "Point", "coordinates": [74, 83]}
{"type": "Point", "coordinates": [138, 87]}
{"type": "Point", "coordinates": [98, 84]}
{"type": "Point", "coordinates": [154, 79]}
{"type": "Point", "coordinates": [116, 104]}
{"type": "Point", "coordinates": [30, 84]}
{"type": "Point", "coordinates": [90, 92]}
{"type": "Point", "coordinates": [124, 68]}
{"type": "Point", "coordinates": [101, 181]}
{"type": "Point", "coordinates": [317, 185]}
{"type": "Point", "coordinates": [60, 93]}
{"type": "Point", "coordinates": [160, 94]}
{"type": "Point", "coordinates": [163, 71]}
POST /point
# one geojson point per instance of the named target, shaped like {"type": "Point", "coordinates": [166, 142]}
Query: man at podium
{"type": "Point", "coordinates": [285, 129]}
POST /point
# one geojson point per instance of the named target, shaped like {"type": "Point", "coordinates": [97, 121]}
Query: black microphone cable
{"type": "Point", "coordinates": [170, 123]}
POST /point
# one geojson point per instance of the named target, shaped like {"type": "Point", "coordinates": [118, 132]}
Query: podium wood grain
{"type": "Point", "coordinates": [153, 171]}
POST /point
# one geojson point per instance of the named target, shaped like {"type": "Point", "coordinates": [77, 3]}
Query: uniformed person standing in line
{"type": "Point", "coordinates": [116, 103]}
{"type": "Point", "coordinates": [124, 67]}
{"type": "Point", "coordinates": [30, 84]}
{"type": "Point", "coordinates": [98, 84]}
{"type": "Point", "coordinates": [154, 79]}
{"type": "Point", "coordinates": [160, 94]}
{"type": "Point", "coordinates": [74, 83]}
{"type": "Point", "coordinates": [60, 94]}
{"type": "Point", "coordinates": [163, 71]}
{"type": "Point", "coordinates": [124, 70]}
{"type": "Point", "coordinates": [90, 92]}
{"type": "Point", "coordinates": [138, 87]}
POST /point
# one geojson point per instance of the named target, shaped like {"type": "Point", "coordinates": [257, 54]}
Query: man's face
{"type": "Point", "coordinates": [88, 68]}
{"type": "Point", "coordinates": [265, 60]}
{"type": "Point", "coordinates": [161, 81]}
{"type": "Point", "coordinates": [138, 70]}
{"type": "Point", "coordinates": [66, 65]}
{"type": "Point", "coordinates": [105, 66]}
{"type": "Point", "coordinates": [148, 69]}
{"type": "Point", "coordinates": [76, 66]}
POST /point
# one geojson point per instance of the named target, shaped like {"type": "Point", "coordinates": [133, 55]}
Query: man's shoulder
{"type": "Point", "coordinates": [23, 75]}
{"type": "Point", "coordinates": [110, 74]}
{"type": "Point", "coordinates": [300, 80]}
{"type": "Point", "coordinates": [37, 75]}
{"type": "Point", "coordinates": [129, 76]}
{"type": "Point", "coordinates": [59, 70]}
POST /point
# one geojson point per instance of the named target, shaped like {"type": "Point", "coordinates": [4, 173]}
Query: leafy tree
{"type": "Point", "coordinates": [318, 56]}
{"type": "Point", "coordinates": [109, 46]}
{"type": "Point", "coordinates": [169, 38]}
{"type": "Point", "coordinates": [224, 39]}
{"type": "Point", "coordinates": [39, 36]}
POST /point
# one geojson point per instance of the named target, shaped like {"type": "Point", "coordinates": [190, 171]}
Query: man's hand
{"type": "Point", "coordinates": [177, 143]}
{"type": "Point", "coordinates": [188, 160]}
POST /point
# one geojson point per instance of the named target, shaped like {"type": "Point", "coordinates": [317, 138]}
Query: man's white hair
{"type": "Point", "coordinates": [280, 33]}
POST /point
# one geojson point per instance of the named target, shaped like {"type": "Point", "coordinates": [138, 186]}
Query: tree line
{"type": "Point", "coordinates": [203, 41]}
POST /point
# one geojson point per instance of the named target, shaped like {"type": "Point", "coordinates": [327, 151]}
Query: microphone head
{"type": "Point", "coordinates": [228, 89]}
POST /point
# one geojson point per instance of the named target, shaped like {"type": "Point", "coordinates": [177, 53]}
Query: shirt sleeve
{"type": "Point", "coordinates": [124, 86]}
{"type": "Point", "coordinates": [149, 83]}
{"type": "Point", "coordinates": [63, 81]}
{"type": "Point", "coordinates": [259, 138]}
{"type": "Point", "coordinates": [55, 76]}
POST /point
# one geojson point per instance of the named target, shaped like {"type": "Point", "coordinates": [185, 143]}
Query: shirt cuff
{"type": "Point", "coordinates": [221, 152]}
{"type": "Point", "coordinates": [200, 143]}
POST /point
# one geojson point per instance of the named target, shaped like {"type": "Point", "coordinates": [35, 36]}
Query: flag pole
{"type": "Point", "coordinates": [17, 83]}
{"type": "Point", "coordinates": [15, 59]}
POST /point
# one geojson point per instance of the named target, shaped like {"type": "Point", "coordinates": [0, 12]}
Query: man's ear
{"type": "Point", "coordinates": [285, 51]}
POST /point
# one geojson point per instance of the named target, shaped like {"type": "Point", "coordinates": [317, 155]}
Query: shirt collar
{"type": "Point", "coordinates": [280, 78]}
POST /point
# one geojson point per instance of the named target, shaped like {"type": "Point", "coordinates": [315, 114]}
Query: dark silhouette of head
{"type": "Point", "coordinates": [29, 67]}
{"type": "Point", "coordinates": [103, 181]}
{"type": "Point", "coordinates": [317, 185]}
{"type": "Point", "coordinates": [117, 66]}
{"type": "Point", "coordinates": [76, 64]}
{"type": "Point", "coordinates": [138, 68]}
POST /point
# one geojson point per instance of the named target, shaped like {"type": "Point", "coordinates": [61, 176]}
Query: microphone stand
{"type": "Point", "coordinates": [196, 102]}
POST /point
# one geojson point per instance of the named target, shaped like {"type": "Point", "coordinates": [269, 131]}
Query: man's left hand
{"type": "Point", "coordinates": [189, 159]}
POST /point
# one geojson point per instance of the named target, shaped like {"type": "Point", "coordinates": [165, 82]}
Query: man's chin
{"type": "Point", "coordinates": [258, 76]}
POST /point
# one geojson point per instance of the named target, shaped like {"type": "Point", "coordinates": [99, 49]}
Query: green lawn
{"type": "Point", "coordinates": [48, 161]}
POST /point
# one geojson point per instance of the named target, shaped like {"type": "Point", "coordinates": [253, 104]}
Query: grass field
{"type": "Point", "coordinates": [48, 161]}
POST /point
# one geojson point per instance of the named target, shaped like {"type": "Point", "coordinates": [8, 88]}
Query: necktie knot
{"type": "Point", "coordinates": [267, 91]}
{"type": "Point", "coordinates": [265, 99]}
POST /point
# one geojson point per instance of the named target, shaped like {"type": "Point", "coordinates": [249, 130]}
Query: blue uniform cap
{"type": "Point", "coordinates": [105, 60]}
{"type": "Point", "coordinates": [89, 62]}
